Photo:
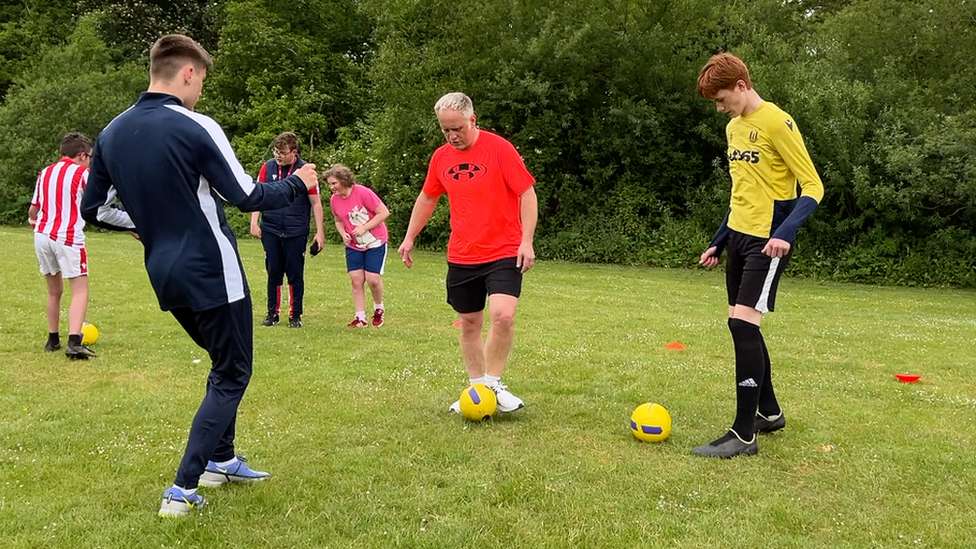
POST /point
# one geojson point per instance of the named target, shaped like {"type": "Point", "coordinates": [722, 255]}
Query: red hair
{"type": "Point", "coordinates": [721, 73]}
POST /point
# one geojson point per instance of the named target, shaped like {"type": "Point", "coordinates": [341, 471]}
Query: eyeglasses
{"type": "Point", "coordinates": [279, 152]}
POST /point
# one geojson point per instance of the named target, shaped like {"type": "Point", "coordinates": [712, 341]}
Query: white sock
{"type": "Point", "coordinates": [492, 381]}
{"type": "Point", "coordinates": [474, 380]}
{"type": "Point", "coordinates": [378, 306]}
{"type": "Point", "coordinates": [361, 315]}
{"type": "Point", "coordinates": [185, 491]}
{"type": "Point", "coordinates": [226, 463]}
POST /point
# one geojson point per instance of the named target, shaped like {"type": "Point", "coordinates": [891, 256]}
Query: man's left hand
{"type": "Point", "coordinates": [776, 247]}
{"type": "Point", "coordinates": [526, 257]}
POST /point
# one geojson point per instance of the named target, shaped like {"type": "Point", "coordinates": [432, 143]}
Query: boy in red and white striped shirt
{"type": "Point", "coordinates": [59, 239]}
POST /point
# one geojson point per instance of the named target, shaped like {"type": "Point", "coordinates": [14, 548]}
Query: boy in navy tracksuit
{"type": "Point", "coordinates": [284, 233]}
{"type": "Point", "coordinates": [167, 164]}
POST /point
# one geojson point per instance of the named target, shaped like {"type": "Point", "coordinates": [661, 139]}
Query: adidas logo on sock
{"type": "Point", "coordinates": [748, 383]}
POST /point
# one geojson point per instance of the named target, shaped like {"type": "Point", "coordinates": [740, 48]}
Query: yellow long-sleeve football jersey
{"type": "Point", "coordinates": [770, 170]}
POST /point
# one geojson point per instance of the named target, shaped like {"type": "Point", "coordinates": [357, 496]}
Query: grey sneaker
{"type": "Point", "coordinates": [236, 472]}
{"type": "Point", "coordinates": [728, 446]}
{"type": "Point", "coordinates": [175, 504]}
{"type": "Point", "coordinates": [769, 424]}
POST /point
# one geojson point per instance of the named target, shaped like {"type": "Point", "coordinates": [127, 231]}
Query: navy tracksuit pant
{"type": "Point", "coordinates": [227, 334]}
{"type": "Point", "coordinates": [285, 255]}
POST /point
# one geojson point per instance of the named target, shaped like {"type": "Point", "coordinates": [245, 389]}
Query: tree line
{"type": "Point", "coordinates": [599, 97]}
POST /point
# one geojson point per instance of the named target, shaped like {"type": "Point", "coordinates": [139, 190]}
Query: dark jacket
{"type": "Point", "coordinates": [293, 219]}
{"type": "Point", "coordinates": [170, 167]}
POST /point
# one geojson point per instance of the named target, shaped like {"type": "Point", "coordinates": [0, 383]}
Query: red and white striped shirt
{"type": "Point", "coordinates": [57, 195]}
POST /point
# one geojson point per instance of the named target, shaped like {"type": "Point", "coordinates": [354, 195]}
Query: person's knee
{"type": "Point", "coordinates": [232, 385]}
{"type": "Point", "coordinates": [744, 332]}
{"type": "Point", "coordinates": [503, 319]}
{"type": "Point", "coordinates": [472, 323]}
{"type": "Point", "coordinates": [374, 279]}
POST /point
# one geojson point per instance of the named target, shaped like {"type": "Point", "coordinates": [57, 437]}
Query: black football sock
{"type": "Point", "coordinates": [768, 405]}
{"type": "Point", "coordinates": [749, 366]}
{"type": "Point", "coordinates": [54, 338]}
{"type": "Point", "coordinates": [74, 339]}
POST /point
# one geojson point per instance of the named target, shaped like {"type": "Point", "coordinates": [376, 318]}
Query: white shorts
{"type": "Point", "coordinates": [55, 258]}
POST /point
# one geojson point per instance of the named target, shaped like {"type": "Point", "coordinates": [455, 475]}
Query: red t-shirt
{"type": "Point", "coordinates": [483, 185]}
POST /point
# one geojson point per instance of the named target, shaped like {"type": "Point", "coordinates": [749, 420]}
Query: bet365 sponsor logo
{"type": "Point", "coordinates": [744, 156]}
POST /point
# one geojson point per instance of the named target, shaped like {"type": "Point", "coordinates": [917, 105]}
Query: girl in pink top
{"type": "Point", "coordinates": [359, 217]}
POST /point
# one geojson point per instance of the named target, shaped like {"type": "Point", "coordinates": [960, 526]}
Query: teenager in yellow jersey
{"type": "Point", "coordinates": [774, 189]}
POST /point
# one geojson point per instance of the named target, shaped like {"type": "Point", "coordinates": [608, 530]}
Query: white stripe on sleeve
{"type": "Point", "coordinates": [110, 215]}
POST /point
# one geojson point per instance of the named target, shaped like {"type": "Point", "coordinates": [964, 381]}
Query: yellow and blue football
{"type": "Point", "coordinates": [650, 422]}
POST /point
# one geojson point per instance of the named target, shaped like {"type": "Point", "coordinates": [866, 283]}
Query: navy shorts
{"type": "Point", "coordinates": [372, 260]}
{"type": "Point", "coordinates": [468, 286]}
{"type": "Point", "coordinates": [752, 277]}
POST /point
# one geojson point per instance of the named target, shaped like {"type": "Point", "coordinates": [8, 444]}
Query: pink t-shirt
{"type": "Point", "coordinates": [356, 210]}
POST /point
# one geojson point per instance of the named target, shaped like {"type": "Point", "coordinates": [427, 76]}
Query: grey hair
{"type": "Point", "coordinates": [455, 101]}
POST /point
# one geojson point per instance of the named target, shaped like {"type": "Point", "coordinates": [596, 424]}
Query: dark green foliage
{"type": "Point", "coordinates": [287, 67]}
{"type": "Point", "coordinates": [130, 28]}
{"type": "Point", "coordinates": [26, 28]}
{"type": "Point", "coordinates": [70, 88]}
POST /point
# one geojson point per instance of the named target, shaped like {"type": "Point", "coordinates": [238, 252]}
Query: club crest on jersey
{"type": "Point", "coordinates": [753, 136]}
{"type": "Point", "coordinates": [789, 124]}
{"type": "Point", "coordinates": [465, 171]}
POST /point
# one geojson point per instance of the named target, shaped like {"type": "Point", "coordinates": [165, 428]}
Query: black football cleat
{"type": "Point", "coordinates": [76, 351]}
{"type": "Point", "coordinates": [768, 424]}
{"type": "Point", "coordinates": [728, 446]}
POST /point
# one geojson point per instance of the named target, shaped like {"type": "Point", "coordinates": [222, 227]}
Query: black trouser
{"type": "Point", "coordinates": [226, 333]}
{"type": "Point", "coordinates": [285, 255]}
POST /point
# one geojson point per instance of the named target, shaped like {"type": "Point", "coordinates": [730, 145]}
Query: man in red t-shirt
{"type": "Point", "coordinates": [493, 216]}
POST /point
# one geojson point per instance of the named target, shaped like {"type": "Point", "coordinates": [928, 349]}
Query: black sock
{"type": "Point", "coordinates": [749, 366]}
{"type": "Point", "coordinates": [54, 337]}
{"type": "Point", "coordinates": [768, 405]}
{"type": "Point", "coordinates": [74, 339]}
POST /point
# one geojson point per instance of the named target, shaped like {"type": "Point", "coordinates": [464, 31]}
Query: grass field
{"type": "Point", "coordinates": [354, 424]}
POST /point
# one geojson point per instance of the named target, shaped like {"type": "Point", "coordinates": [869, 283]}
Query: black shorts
{"type": "Point", "coordinates": [469, 285]}
{"type": "Point", "coordinates": [752, 277]}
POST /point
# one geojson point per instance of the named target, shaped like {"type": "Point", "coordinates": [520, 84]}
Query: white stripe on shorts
{"type": "Point", "coordinates": [386, 251]}
{"type": "Point", "coordinates": [762, 306]}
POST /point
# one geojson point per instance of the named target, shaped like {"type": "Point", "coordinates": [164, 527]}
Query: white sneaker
{"type": "Point", "coordinates": [507, 402]}
{"type": "Point", "coordinates": [456, 407]}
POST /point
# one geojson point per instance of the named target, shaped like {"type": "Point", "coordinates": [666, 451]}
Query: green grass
{"type": "Point", "coordinates": [354, 424]}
